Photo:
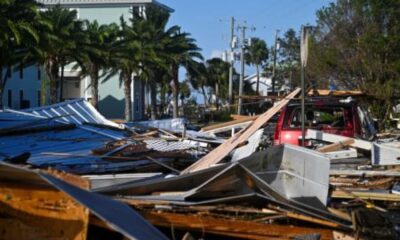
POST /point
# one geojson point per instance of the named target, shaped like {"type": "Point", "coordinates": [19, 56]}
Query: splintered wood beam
{"type": "Point", "coordinates": [39, 212]}
{"type": "Point", "coordinates": [336, 146]}
{"type": "Point", "coordinates": [372, 196]}
{"type": "Point", "coordinates": [231, 227]}
{"type": "Point", "coordinates": [233, 123]}
{"type": "Point", "coordinates": [73, 179]}
{"type": "Point", "coordinates": [224, 149]}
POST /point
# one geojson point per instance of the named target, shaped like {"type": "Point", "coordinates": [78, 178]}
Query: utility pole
{"type": "Point", "coordinates": [274, 66]}
{"type": "Point", "coordinates": [242, 46]}
{"type": "Point", "coordinates": [303, 56]}
{"type": "Point", "coordinates": [232, 60]}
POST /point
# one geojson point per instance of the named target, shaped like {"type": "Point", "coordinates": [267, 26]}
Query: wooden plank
{"type": "Point", "coordinates": [327, 92]}
{"type": "Point", "coordinates": [333, 138]}
{"type": "Point", "coordinates": [231, 227]}
{"type": "Point", "coordinates": [364, 173]}
{"type": "Point", "coordinates": [366, 196]}
{"type": "Point", "coordinates": [73, 179]}
{"type": "Point", "coordinates": [224, 149]}
{"type": "Point", "coordinates": [225, 125]}
{"type": "Point", "coordinates": [35, 212]}
{"type": "Point", "coordinates": [239, 117]}
{"type": "Point", "coordinates": [336, 146]}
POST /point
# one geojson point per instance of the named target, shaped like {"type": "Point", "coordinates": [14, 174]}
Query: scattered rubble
{"type": "Point", "coordinates": [188, 183]}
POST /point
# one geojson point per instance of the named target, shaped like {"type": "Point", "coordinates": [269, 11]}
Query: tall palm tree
{"type": "Point", "coordinates": [198, 78]}
{"type": "Point", "coordinates": [56, 45]}
{"type": "Point", "coordinates": [16, 34]}
{"type": "Point", "coordinates": [183, 52]}
{"type": "Point", "coordinates": [152, 36]}
{"type": "Point", "coordinates": [94, 53]}
{"type": "Point", "coordinates": [218, 75]}
{"type": "Point", "coordinates": [257, 54]}
{"type": "Point", "coordinates": [125, 61]}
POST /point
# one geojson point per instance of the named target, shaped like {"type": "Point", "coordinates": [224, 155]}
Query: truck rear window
{"type": "Point", "coordinates": [335, 117]}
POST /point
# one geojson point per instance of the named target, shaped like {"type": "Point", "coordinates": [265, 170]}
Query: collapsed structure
{"type": "Point", "coordinates": [186, 183]}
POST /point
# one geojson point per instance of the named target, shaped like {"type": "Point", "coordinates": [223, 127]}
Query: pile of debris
{"type": "Point", "coordinates": [189, 184]}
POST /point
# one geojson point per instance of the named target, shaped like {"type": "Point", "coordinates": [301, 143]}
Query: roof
{"type": "Point", "coordinates": [102, 3]}
{"type": "Point", "coordinates": [77, 111]}
{"type": "Point", "coordinates": [60, 136]}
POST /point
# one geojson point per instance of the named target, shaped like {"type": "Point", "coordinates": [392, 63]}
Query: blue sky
{"type": "Point", "coordinates": [209, 20]}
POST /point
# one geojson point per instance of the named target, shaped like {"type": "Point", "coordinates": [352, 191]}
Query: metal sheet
{"type": "Point", "coordinates": [77, 111]}
{"type": "Point", "coordinates": [249, 148]}
{"type": "Point", "coordinates": [385, 153]}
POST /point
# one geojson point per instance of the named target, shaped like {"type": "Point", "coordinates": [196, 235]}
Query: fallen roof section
{"type": "Point", "coordinates": [77, 111]}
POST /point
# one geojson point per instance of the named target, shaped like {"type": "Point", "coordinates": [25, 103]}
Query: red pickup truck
{"type": "Point", "coordinates": [328, 114]}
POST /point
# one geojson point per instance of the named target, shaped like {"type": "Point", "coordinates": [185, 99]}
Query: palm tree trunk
{"type": "Point", "coordinates": [204, 96]}
{"type": "Point", "coordinates": [94, 76]}
{"type": "Point", "coordinates": [153, 96]}
{"type": "Point", "coordinates": [60, 99]}
{"type": "Point", "coordinates": [175, 91]}
{"type": "Point", "coordinates": [3, 85]}
{"type": "Point", "coordinates": [163, 98]}
{"type": "Point", "coordinates": [52, 72]}
{"type": "Point", "coordinates": [217, 95]}
{"type": "Point", "coordinates": [127, 79]}
{"type": "Point", "coordinates": [258, 80]}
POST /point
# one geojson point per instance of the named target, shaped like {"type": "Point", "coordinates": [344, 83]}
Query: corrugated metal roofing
{"type": "Point", "coordinates": [77, 111]}
{"type": "Point", "coordinates": [47, 146]}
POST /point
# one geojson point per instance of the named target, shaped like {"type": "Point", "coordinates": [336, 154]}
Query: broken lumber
{"type": "Point", "coordinates": [224, 149]}
{"type": "Point", "coordinates": [333, 138]}
{"type": "Point", "coordinates": [231, 227]}
{"type": "Point", "coordinates": [336, 146]}
{"type": "Point", "coordinates": [221, 127]}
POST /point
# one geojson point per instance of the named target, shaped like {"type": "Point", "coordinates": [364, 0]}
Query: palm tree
{"type": "Point", "coordinates": [257, 54]}
{"type": "Point", "coordinates": [183, 52]}
{"type": "Point", "coordinates": [218, 75]}
{"type": "Point", "coordinates": [93, 57]}
{"type": "Point", "coordinates": [125, 61]}
{"type": "Point", "coordinates": [16, 34]}
{"type": "Point", "coordinates": [198, 78]}
{"type": "Point", "coordinates": [57, 44]}
{"type": "Point", "coordinates": [153, 38]}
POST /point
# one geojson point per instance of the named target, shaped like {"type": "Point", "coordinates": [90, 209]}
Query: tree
{"type": "Point", "coordinates": [16, 34]}
{"type": "Point", "coordinates": [198, 78]}
{"type": "Point", "coordinates": [94, 55]}
{"type": "Point", "coordinates": [257, 54]}
{"type": "Point", "coordinates": [125, 60]}
{"type": "Point", "coordinates": [57, 46]}
{"type": "Point", "coordinates": [289, 57]}
{"type": "Point", "coordinates": [356, 45]}
{"type": "Point", "coordinates": [218, 75]}
{"type": "Point", "coordinates": [183, 51]}
{"type": "Point", "coordinates": [155, 40]}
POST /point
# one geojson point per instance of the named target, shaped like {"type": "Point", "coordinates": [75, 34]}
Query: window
{"type": "Point", "coordinates": [9, 98]}
{"type": "Point", "coordinates": [38, 73]}
{"type": "Point", "coordinates": [317, 117]}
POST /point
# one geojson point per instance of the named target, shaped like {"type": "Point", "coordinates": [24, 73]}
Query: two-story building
{"type": "Point", "coordinates": [23, 88]}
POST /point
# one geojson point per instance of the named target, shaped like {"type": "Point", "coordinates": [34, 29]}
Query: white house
{"type": "Point", "coordinates": [265, 85]}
